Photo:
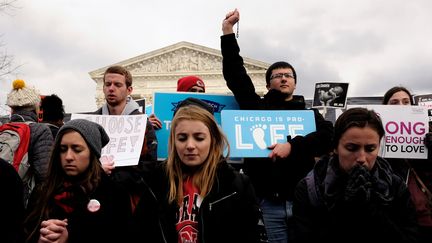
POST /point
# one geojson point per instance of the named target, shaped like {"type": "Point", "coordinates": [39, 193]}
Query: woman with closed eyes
{"type": "Point", "coordinates": [198, 196]}
{"type": "Point", "coordinates": [78, 202]}
{"type": "Point", "coordinates": [353, 195]}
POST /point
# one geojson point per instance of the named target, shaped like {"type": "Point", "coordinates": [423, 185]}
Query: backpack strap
{"type": "Point", "coordinates": [312, 190]}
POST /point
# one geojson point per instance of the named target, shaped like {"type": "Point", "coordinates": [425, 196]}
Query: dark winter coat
{"type": "Point", "coordinates": [332, 215]}
{"type": "Point", "coordinates": [41, 142]}
{"type": "Point", "coordinates": [230, 212]}
{"type": "Point", "coordinates": [109, 224]}
{"type": "Point", "coordinates": [274, 179]}
{"type": "Point", "coordinates": [11, 205]}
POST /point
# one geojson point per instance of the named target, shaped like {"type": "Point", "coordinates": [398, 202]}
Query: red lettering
{"type": "Point", "coordinates": [419, 128]}
{"type": "Point", "coordinates": [392, 127]}
{"type": "Point", "coordinates": [405, 128]}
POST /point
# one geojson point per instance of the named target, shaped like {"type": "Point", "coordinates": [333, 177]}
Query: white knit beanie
{"type": "Point", "coordinates": [22, 96]}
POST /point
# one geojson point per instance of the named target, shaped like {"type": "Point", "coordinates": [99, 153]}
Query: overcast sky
{"type": "Point", "coordinates": [372, 44]}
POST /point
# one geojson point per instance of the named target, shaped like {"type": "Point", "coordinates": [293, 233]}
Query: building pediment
{"type": "Point", "coordinates": [181, 58]}
{"type": "Point", "coordinates": [160, 69]}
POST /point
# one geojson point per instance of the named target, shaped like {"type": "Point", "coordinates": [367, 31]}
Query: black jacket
{"type": "Point", "coordinates": [111, 223]}
{"type": "Point", "coordinates": [11, 205]}
{"type": "Point", "coordinates": [274, 179]}
{"type": "Point", "coordinates": [230, 212]}
{"type": "Point", "coordinates": [41, 142]}
{"type": "Point", "coordinates": [332, 215]}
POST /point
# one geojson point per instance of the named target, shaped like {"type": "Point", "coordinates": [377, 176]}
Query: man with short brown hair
{"type": "Point", "coordinates": [117, 87]}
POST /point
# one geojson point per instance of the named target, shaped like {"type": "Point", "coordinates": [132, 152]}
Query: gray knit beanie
{"type": "Point", "coordinates": [93, 133]}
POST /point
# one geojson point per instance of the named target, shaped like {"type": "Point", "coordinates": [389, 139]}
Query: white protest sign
{"type": "Point", "coordinates": [405, 129]}
{"type": "Point", "coordinates": [126, 134]}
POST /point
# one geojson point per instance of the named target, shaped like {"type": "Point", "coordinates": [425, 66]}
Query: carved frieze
{"type": "Point", "coordinates": [159, 70]}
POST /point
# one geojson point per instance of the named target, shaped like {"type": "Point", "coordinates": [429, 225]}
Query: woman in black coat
{"type": "Point", "coordinates": [196, 196]}
{"type": "Point", "coordinates": [353, 195]}
{"type": "Point", "coordinates": [78, 202]}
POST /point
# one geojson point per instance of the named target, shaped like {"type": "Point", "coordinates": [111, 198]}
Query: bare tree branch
{"type": "Point", "coordinates": [6, 61]}
{"type": "Point", "coordinates": [6, 5]}
{"type": "Point", "coordinates": [6, 65]}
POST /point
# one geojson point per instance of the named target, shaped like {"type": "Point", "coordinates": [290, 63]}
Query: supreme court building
{"type": "Point", "coordinates": [160, 69]}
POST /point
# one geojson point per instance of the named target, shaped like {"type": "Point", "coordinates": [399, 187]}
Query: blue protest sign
{"type": "Point", "coordinates": [148, 109]}
{"type": "Point", "coordinates": [164, 104]}
{"type": "Point", "coordinates": [250, 132]}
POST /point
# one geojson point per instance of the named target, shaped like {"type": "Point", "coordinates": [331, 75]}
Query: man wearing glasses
{"type": "Point", "coordinates": [274, 178]}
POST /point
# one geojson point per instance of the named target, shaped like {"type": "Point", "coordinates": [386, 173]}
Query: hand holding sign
{"type": "Point", "coordinates": [280, 150]}
{"type": "Point", "coordinates": [107, 163]}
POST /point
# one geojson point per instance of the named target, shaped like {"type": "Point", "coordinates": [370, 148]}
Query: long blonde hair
{"type": "Point", "coordinates": [205, 175]}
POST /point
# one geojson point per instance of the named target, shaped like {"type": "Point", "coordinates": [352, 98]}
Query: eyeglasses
{"type": "Point", "coordinates": [280, 75]}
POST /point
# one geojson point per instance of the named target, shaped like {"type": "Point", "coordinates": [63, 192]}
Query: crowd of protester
{"type": "Point", "coordinates": [329, 185]}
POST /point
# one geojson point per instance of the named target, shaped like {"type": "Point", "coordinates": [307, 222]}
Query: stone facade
{"type": "Point", "coordinates": [159, 70]}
